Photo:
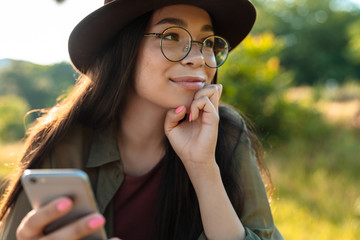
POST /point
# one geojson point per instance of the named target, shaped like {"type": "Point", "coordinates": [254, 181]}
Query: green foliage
{"type": "Point", "coordinates": [353, 48]}
{"type": "Point", "coordinates": [25, 86]}
{"type": "Point", "coordinates": [317, 186]}
{"type": "Point", "coordinates": [38, 85]}
{"type": "Point", "coordinates": [255, 83]}
{"type": "Point", "coordinates": [12, 112]}
{"type": "Point", "coordinates": [319, 38]}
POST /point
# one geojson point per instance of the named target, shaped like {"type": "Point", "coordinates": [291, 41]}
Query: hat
{"type": "Point", "coordinates": [232, 19]}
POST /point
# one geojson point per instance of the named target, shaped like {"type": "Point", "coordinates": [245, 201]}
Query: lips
{"type": "Point", "coordinates": [191, 83]}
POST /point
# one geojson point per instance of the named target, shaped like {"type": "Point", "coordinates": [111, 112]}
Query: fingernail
{"type": "Point", "coordinates": [96, 222]}
{"type": "Point", "coordinates": [63, 205]}
{"type": "Point", "coordinates": [190, 117]}
{"type": "Point", "coordinates": [179, 109]}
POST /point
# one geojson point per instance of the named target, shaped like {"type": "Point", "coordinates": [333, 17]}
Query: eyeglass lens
{"type": "Point", "coordinates": [176, 44]}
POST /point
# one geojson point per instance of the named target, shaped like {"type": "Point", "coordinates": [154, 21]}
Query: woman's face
{"type": "Point", "coordinates": [171, 84]}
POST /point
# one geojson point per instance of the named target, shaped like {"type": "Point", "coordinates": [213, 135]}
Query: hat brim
{"type": "Point", "coordinates": [232, 19]}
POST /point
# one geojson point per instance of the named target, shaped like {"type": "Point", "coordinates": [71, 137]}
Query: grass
{"type": "Point", "coordinates": [317, 197]}
{"type": "Point", "coordinates": [9, 153]}
{"type": "Point", "coordinates": [297, 222]}
{"type": "Point", "coordinates": [317, 180]}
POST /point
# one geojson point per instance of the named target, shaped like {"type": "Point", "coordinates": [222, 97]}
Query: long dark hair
{"type": "Point", "coordinates": [98, 99]}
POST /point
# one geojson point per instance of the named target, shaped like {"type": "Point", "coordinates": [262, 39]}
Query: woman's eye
{"type": "Point", "coordinates": [208, 43]}
{"type": "Point", "coordinates": [171, 37]}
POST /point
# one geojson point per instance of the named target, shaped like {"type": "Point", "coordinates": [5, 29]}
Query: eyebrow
{"type": "Point", "coordinates": [174, 21]}
{"type": "Point", "coordinates": [181, 23]}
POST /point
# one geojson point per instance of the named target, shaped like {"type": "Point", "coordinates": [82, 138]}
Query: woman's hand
{"type": "Point", "coordinates": [194, 140]}
{"type": "Point", "coordinates": [33, 224]}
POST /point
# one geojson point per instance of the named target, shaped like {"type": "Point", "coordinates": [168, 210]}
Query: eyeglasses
{"type": "Point", "coordinates": [176, 43]}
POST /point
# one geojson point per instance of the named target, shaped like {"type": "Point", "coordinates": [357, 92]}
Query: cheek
{"type": "Point", "coordinates": [149, 60]}
{"type": "Point", "coordinates": [149, 70]}
{"type": "Point", "coordinates": [211, 74]}
{"type": "Point", "coordinates": [143, 67]}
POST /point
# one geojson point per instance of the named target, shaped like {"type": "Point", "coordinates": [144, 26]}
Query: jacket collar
{"type": "Point", "coordinates": [104, 148]}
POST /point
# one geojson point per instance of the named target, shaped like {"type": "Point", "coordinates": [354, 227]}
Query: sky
{"type": "Point", "coordinates": [38, 30]}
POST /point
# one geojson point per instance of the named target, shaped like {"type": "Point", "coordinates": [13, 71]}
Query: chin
{"type": "Point", "coordinates": [187, 103]}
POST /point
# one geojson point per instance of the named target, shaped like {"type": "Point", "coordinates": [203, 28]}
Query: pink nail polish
{"type": "Point", "coordinates": [96, 222]}
{"type": "Point", "coordinates": [179, 109]}
{"type": "Point", "coordinates": [190, 117]}
{"type": "Point", "coordinates": [63, 205]}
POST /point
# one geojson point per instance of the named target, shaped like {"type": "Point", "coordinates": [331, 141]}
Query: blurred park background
{"type": "Point", "coordinates": [296, 77]}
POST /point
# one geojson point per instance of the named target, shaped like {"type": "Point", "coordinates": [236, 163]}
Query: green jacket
{"type": "Point", "coordinates": [97, 154]}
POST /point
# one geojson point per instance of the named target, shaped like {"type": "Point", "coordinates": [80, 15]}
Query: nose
{"type": "Point", "coordinates": [194, 57]}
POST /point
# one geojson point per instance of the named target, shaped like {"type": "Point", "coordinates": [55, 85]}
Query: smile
{"type": "Point", "coordinates": [189, 83]}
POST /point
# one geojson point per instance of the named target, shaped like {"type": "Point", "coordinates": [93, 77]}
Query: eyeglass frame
{"type": "Point", "coordinates": [201, 43]}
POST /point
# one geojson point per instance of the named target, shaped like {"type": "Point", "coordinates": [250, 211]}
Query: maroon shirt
{"type": "Point", "coordinates": [135, 206]}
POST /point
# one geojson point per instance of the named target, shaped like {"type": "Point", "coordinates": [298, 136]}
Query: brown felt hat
{"type": "Point", "coordinates": [232, 19]}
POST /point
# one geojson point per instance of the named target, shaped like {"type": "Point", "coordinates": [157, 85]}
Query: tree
{"type": "Point", "coordinates": [316, 37]}
{"type": "Point", "coordinates": [12, 112]}
{"type": "Point", "coordinates": [353, 48]}
{"type": "Point", "coordinates": [25, 86]}
{"type": "Point", "coordinates": [39, 85]}
{"type": "Point", "coordinates": [255, 83]}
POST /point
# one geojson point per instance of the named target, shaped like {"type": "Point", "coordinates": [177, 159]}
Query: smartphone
{"type": "Point", "coordinates": [44, 185]}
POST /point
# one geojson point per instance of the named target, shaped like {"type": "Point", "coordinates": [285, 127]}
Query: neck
{"type": "Point", "coordinates": [141, 136]}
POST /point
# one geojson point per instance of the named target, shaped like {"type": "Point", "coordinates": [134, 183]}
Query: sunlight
{"type": "Point", "coordinates": [38, 30]}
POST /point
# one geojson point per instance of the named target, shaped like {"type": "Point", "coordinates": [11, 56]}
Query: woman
{"type": "Point", "coordinates": [165, 160]}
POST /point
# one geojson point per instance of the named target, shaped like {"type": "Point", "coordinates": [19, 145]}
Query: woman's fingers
{"type": "Point", "coordinates": [203, 105]}
{"type": "Point", "coordinates": [78, 229]}
{"type": "Point", "coordinates": [173, 117]}
{"type": "Point", "coordinates": [206, 100]}
{"type": "Point", "coordinates": [212, 91]}
{"type": "Point", "coordinates": [34, 222]}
